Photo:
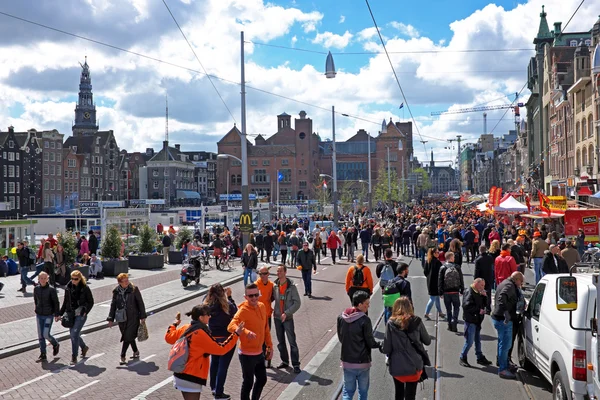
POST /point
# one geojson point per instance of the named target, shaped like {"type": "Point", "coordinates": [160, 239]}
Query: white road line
{"type": "Point", "coordinates": [324, 268]}
{"type": "Point", "coordinates": [39, 378]}
{"type": "Point", "coordinates": [80, 389]}
{"type": "Point", "coordinates": [153, 389]}
{"type": "Point", "coordinates": [142, 360]}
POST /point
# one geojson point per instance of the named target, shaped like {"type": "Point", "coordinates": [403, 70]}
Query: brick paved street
{"type": "Point", "coordinates": [315, 325]}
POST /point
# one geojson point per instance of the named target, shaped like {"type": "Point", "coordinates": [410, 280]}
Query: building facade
{"type": "Point", "coordinates": [52, 164]}
{"type": "Point", "coordinates": [206, 174]}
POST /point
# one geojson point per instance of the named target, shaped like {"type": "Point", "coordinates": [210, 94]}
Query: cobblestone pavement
{"type": "Point", "coordinates": [100, 376]}
{"type": "Point", "coordinates": [157, 288]}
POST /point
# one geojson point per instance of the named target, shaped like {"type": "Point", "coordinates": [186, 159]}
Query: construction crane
{"type": "Point", "coordinates": [515, 108]}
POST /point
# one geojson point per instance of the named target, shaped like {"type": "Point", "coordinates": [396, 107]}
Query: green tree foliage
{"type": "Point", "coordinates": [323, 196]}
{"type": "Point", "coordinates": [147, 240]}
{"type": "Point", "coordinates": [425, 182]}
{"type": "Point", "coordinates": [381, 191]}
{"type": "Point", "coordinates": [68, 241]}
{"type": "Point", "coordinates": [183, 234]}
{"type": "Point", "coordinates": [111, 245]}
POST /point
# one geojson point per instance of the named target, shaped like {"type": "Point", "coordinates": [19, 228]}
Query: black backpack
{"type": "Point", "coordinates": [359, 278]}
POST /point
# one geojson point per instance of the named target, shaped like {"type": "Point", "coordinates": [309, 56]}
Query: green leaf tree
{"type": "Point", "coordinates": [381, 191]}
{"type": "Point", "coordinates": [424, 182]}
{"type": "Point", "coordinates": [68, 241]}
{"type": "Point", "coordinates": [183, 234]}
{"type": "Point", "coordinates": [323, 196]}
{"type": "Point", "coordinates": [147, 240]}
{"type": "Point", "coordinates": [111, 245]}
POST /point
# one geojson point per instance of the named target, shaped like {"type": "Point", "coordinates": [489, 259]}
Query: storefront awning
{"type": "Point", "coordinates": [584, 191]}
{"type": "Point", "coordinates": [188, 194]}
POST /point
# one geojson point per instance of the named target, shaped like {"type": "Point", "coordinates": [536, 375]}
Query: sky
{"type": "Point", "coordinates": [285, 51]}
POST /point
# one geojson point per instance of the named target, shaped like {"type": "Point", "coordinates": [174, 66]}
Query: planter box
{"type": "Point", "coordinates": [175, 257]}
{"type": "Point", "coordinates": [85, 270]}
{"type": "Point", "coordinates": [115, 267]}
{"type": "Point", "coordinates": [146, 261]}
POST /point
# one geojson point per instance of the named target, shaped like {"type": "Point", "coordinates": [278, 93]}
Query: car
{"type": "Point", "coordinates": [555, 336]}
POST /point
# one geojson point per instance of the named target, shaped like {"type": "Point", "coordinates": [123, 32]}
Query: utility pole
{"type": "Point", "coordinates": [244, 142]}
{"type": "Point", "coordinates": [388, 173]}
{"type": "Point", "coordinates": [458, 139]}
{"type": "Point", "coordinates": [369, 171]}
{"type": "Point", "coordinates": [333, 156]}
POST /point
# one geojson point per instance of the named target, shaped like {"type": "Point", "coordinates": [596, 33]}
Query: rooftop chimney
{"type": "Point", "coordinates": [178, 147]}
{"type": "Point", "coordinates": [557, 28]}
{"type": "Point", "coordinates": [11, 128]}
{"type": "Point", "coordinates": [149, 151]}
{"type": "Point", "coordinates": [302, 114]}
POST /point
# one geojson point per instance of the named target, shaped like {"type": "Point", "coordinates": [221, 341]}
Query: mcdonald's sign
{"type": "Point", "coordinates": [246, 223]}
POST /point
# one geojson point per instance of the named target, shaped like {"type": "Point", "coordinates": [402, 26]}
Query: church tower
{"type": "Point", "coordinates": [85, 109]}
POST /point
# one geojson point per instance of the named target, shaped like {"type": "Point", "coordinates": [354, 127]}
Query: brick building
{"type": "Point", "coordinates": [72, 166]}
{"type": "Point", "coordinates": [52, 149]}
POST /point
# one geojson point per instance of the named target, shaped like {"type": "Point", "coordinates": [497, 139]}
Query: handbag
{"type": "Point", "coordinates": [142, 333]}
{"type": "Point", "coordinates": [253, 276]}
{"type": "Point", "coordinates": [424, 357]}
{"type": "Point", "coordinates": [120, 315]}
{"type": "Point", "coordinates": [68, 319]}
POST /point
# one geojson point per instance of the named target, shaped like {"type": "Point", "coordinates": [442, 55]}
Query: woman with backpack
{"type": "Point", "coordinates": [358, 278]}
{"type": "Point", "coordinates": [128, 310]}
{"type": "Point", "coordinates": [432, 271]}
{"type": "Point", "coordinates": [222, 310]}
{"type": "Point", "coordinates": [192, 343]}
{"type": "Point", "coordinates": [77, 304]}
{"type": "Point", "coordinates": [403, 343]}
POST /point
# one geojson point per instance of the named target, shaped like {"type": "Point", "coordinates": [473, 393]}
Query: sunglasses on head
{"type": "Point", "coordinates": [253, 295]}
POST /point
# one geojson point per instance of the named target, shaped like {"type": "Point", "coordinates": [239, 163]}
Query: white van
{"type": "Point", "coordinates": [556, 333]}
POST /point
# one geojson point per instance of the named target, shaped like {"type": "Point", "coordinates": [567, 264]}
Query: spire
{"type": "Point", "coordinates": [85, 109]}
{"type": "Point", "coordinates": [543, 30]}
{"type": "Point", "coordinates": [432, 162]}
{"type": "Point", "coordinates": [167, 118]}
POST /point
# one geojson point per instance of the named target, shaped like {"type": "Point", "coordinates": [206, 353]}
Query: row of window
{"type": "Point", "coordinates": [53, 201]}
{"type": "Point", "coordinates": [179, 185]}
{"type": "Point", "coordinates": [72, 174]}
{"type": "Point", "coordinates": [71, 187]}
{"type": "Point", "coordinates": [12, 187]}
{"type": "Point", "coordinates": [52, 169]}
{"type": "Point", "coordinates": [10, 156]}
{"type": "Point", "coordinates": [51, 184]}
{"type": "Point", "coordinates": [12, 171]}
{"type": "Point", "coordinates": [254, 163]}
{"type": "Point", "coordinates": [52, 156]}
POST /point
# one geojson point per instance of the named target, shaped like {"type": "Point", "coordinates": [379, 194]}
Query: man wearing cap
{"type": "Point", "coordinates": [570, 255]}
{"type": "Point", "coordinates": [538, 249]}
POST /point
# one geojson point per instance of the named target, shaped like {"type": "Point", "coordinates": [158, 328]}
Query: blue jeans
{"type": "Point", "coordinates": [429, 306]}
{"type": "Point", "coordinates": [25, 280]}
{"type": "Point", "coordinates": [247, 273]}
{"type": "Point", "coordinates": [365, 249]}
{"type": "Point", "coordinates": [75, 332]}
{"type": "Point", "coordinates": [472, 335]}
{"type": "Point", "coordinates": [537, 265]}
{"type": "Point", "coordinates": [38, 268]}
{"type": "Point", "coordinates": [422, 254]}
{"type": "Point", "coordinates": [351, 377]}
{"type": "Point", "coordinates": [218, 369]}
{"type": "Point", "coordinates": [387, 313]}
{"type": "Point", "coordinates": [44, 325]}
{"type": "Point", "coordinates": [504, 342]}
{"type": "Point", "coordinates": [452, 302]}
{"type": "Point", "coordinates": [307, 278]}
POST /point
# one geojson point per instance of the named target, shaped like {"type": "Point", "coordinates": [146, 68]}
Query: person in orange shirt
{"type": "Point", "coordinates": [265, 286]}
{"type": "Point", "coordinates": [201, 344]}
{"type": "Point", "coordinates": [255, 334]}
{"type": "Point", "coordinates": [359, 278]}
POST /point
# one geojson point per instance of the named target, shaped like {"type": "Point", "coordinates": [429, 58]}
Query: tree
{"type": "Point", "coordinates": [111, 246]}
{"type": "Point", "coordinates": [147, 241]}
{"type": "Point", "coordinates": [381, 191]}
{"type": "Point", "coordinates": [68, 241]}
{"type": "Point", "coordinates": [423, 182]}
{"type": "Point", "coordinates": [347, 196]}
{"type": "Point", "coordinates": [323, 196]}
{"type": "Point", "coordinates": [183, 234]}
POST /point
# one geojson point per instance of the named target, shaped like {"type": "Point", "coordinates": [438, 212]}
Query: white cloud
{"type": "Point", "coordinates": [332, 40]}
{"type": "Point", "coordinates": [294, 40]}
{"type": "Point", "coordinates": [404, 29]}
{"type": "Point", "coordinates": [367, 33]}
{"type": "Point", "coordinates": [342, 19]}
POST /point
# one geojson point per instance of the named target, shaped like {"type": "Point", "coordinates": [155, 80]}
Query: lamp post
{"type": "Point", "coordinates": [227, 156]}
{"type": "Point", "coordinates": [330, 73]}
{"type": "Point", "coordinates": [244, 142]}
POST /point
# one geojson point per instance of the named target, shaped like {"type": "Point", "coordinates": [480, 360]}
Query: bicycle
{"type": "Point", "coordinates": [224, 261]}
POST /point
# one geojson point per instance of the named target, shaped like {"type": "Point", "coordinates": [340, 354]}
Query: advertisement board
{"type": "Point", "coordinates": [586, 219]}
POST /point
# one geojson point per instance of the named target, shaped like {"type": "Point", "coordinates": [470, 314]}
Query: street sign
{"type": "Point", "coordinates": [246, 223]}
{"type": "Point", "coordinates": [88, 204]}
{"type": "Point", "coordinates": [592, 181]}
{"type": "Point", "coordinates": [224, 208]}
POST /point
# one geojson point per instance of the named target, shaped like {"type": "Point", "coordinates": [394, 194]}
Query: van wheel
{"type": "Point", "coordinates": [559, 389]}
{"type": "Point", "coordinates": [522, 354]}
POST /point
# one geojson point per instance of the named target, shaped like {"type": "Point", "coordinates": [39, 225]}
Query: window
{"type": "Point", "coordinates": [85, 171]}
{"type": "Point", "coordinates": [155, 185]}
{"type": "Point", "coordinates": [67, 187]}
{"type": "Point", "coordinates": [285, 161]}
{"type": "Point", "coordinates": [588, 42]}
{"type": "Point", "coordinates": [58, 184]}
{"type": "Point", "coordinates": [302, 184]}
{"type": "Point", "coordinates": [46, 184]}
{"type": "Point", "coordinates": [5, 173]}
{"type": "Point", "coordinates": [11, 171]}
{"type": "Point", "coordinates": [52, 203]}
{"type": "Point", "coordinates": [253, 163]}
{"type": "Point", "coordinates": [18, 190]}
{"type": "Point", "coordinates": [573, 43]}
{"type": "Point", "coordinates": [4, 155]}
{"type": "Point", "coordinates": [52, 145]}
{"type": "Point", "coordinates": [46, 156]}
{"type": "Point", "coordinates": [58, 201]}
{"type": "Point", "coordinates": [32, 203]}
{"type": "Point", "coordinates": [97, 149]}
{"type": "Point", "coordinates": [11, 156]}
{"type": "Point", "coordinates": [11, 144]}
{"type": "Point", "coordinates": [76, 175]}
{"type": "Point", "coordinates": [5, 187]}
{"type": "Point", "coordinates": [74, 148]}
{"type": "Point", "coordinates": [75, 187]}
{"type": "Point", "coordinates": [52, 170]}
{"type": "Point", "coordinates": [260, 176]}
{"type": "Point", "coordinates": [18, 171]}
{"type": "Point", "coordinates": [17, 156]}
{"type": "Point", "coordinates": [266, 162]}
{"type": "Point", "coordinates": [12, 202]}
{"type": "Point", "coordinates": [287, 175]}
{"type": "Point", "coordinates": [155, 172]}
{"type": "Point", "coordinates": [166, 171]}
{"type": "Point", "coordinates": [52, 187]}
{"type": "Point", "coordinates": [46, 145]}
{"type": "Point", "coordinates": [535, 305]}
{"type": "Point", "coordinates": [11, 187]}
{"type": "Point", "coordinates": [59, 170]}
{"type": "Point", "coordinates": [52, 156]}
{"type": "Point", "coordinates": [59, 157]}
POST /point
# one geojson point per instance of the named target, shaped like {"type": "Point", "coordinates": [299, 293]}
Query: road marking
{"type": "Point", "coordinates": [105, 305]}
{"type": "Point", "coordinates": [153, 389]}
{"type": "Point", "coordinates": [142, 360]}
{"type": "Point", "coordinates": [79, 389]}
{"type": "Point", "coordinates": [316, 273]}
{"type": "Point", "coordinates": [324, 268]}
{"type": "Point", "coordinates": [39, 378]}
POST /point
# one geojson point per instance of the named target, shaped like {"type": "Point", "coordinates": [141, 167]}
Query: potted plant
{"type": "Point", "coordinates": [68, 241]}
{"type": "Point", "coordinates": [112, 263]}
{"type": "Point", "coordinates": [147, 257]}
{"type": "Point", "coordinates": [176, 256]}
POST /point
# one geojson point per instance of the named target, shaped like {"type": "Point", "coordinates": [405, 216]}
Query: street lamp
{"type": "Point", "coordinates": [330, 73]}
{"type": "Point", "coordinates": [227, 156]}
{"type": "Point", "coordinates": [244, 143]}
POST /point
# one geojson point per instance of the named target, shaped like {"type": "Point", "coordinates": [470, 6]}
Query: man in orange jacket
{"type": "Point", "coordinates": [255, 334]}
{"type": "Point", "coordinates": [359, 278]}
{"type": "Point", "coordinates": [265, 287]}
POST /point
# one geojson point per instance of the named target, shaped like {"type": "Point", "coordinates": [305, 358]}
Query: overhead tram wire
{"type": "Point", "coordinates": [395, 75]}
{"type": "Point", "coordinates": [575, 12]}
{"type": "Point", "coordinates": [506, 111]}
{"type": "Point", "coordinates": [199, 62]}
{"type": "Point", "coordinates": [158, 60]}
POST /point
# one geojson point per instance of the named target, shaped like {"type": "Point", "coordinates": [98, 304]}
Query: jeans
{"type": "Point", "coordinates": [317, 252]}
{"type": "Point", "coordinates": [286, 329]}
{"type": "Point", "coordinates": [405, 391]}
{"type": "Point", "coordinates": [422, 254]}
{"type": "Point", "coordinates": [44, 325]}
{"type": "Point", "coordinates": [25, 280]}
{"type": "Point", "coordinates": [377, 251]}
{"type": "Point", "coordinates": [406, 249]}
{"type": "Point", "coordinates": [351, 250]}
{"type": "Point", "coordinates": [387, 313]}
{"type": "Point", "coordinates": [452, 300]}
{"type": "Point", "coordinates": [537, 265]}
{"type": "Point", "coordinates": [429, 306]}
{"type": "Point", "coordinates": [504, 342]}
{"type": "Point", "coordinates": [253, 366]}
{"type": "Point", "coordinates": [38, 268]}
{"type": "Point", "coordinates": [218, 369]}
{"type": "Point", "coordinates": [75, 332]}
{"type": "Point", "coordinates": [341, 251]}
{"type": "Point", "coordinates": [307, 278]}
{"type": "Point", "coordinates": [293, 257]}
{"type": "Point", "coordinates": [247, 273]}
{"type": "Point", "coordinates": [283, 256]}
{"type": "Point", "coordinates": [472, 335]}
{"type": "Point", "coordinates": [275, 252]}
{"type": "Point", "coordinates": [365, 250]}
{"type": "Point", "coordinates": [351, 377]}
{"type": "Point", "coordinates": [398, 246]}
{"type": "Point", "coordinates": [333, 253]}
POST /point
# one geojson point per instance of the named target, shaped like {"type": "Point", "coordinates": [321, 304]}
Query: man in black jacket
{"type": "Point", "coordinates": [505, 312]}
{"type": "Point", "coordinates": [23, 254]}
{"type": "Point", "coordinates": [484, 269]}
{"type": "Point", "coordinates": [355, 332]}
{"type": "Point", "coordinates": [166, 242]}
{"type": "Point", "coordinates": [550, 262]}
{"type": "Point", "coordinates": [389, 260]}
{"type": "Point", "coordinates": [260, 244]}
{"type": "Point", "coordinates": [474, 304]}
{"type": "Point", "coordinates": [47, 308]}
{"type": "Point", "coordinates": [306, 260]}
{"type": "Point", "coordinates": [517, 251]}
{"type": "Point", "coordinates": [93, 242]}
{"type": "Point", "coordinates": [451, 285]}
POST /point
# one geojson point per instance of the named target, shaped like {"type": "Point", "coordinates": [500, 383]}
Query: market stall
{"type": "Point", "coordinates": [510, 205]}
